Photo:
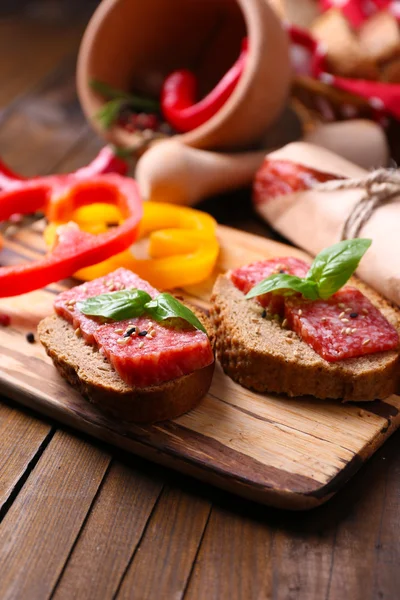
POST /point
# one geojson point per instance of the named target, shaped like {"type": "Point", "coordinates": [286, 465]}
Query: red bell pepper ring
{"type": "Point", "coordinates": [105, 162]}
{"type": "Point", "coordinates": [178, 95]}
{"type": "Point", "coordinates": [75, 249]}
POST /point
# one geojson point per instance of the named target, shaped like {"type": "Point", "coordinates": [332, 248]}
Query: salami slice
{"type": "Point", "coordinates": [346, 325]}
{"type": "Point", "coordinates": [245, 278]}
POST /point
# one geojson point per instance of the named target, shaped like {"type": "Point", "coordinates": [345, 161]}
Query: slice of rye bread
{"type": "Point", "coordinates": [259, 354]}
{"type": "Point", "coordinates": [92, 375]}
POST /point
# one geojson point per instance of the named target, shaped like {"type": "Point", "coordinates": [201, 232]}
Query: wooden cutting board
{"type": "Point", "coordinates": [290, 453]}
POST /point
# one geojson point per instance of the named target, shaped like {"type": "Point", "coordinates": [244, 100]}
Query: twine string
{"type": "Point", "coordinates": [381, 187]}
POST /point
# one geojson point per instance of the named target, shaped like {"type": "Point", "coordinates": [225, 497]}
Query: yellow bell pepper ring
{"type": "Point", "coordinates": [183, 247]}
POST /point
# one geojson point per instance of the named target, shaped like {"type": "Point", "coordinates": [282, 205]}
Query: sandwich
{"type": "Point", "coordinates": [138, 355]}
{"type": "Point", "coordinates": [286, 326]}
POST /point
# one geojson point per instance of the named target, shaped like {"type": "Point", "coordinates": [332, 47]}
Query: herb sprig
{"type": "Point", "coordinates": [117, 101]}
{"type": "Point", "coordinates": [128, 304]}
{"type": "Point", "coordinates": [330, 270]}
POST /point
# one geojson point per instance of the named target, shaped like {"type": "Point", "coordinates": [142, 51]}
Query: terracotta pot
{"type": "Point", "coordinates": [134, 44]}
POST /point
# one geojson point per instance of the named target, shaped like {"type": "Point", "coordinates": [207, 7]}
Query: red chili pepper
{"type": "Point", "coordinates": [178, 95]}
{"type": "Point", "coordinates": [105, 162]}
{"type": "Point", "coordinates": [75, 249]}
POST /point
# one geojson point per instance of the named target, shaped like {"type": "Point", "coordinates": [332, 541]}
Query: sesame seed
{"type": "Point", "coordinates": [341, 315]}
{"type": "Point", "coordinates": [366, 341]}
{"type": "Point", "coordinates": [341, 305]}
{"type": "Point", "coordinates": [289, 341]}
{"type": "Point", "coordinates": [84, 288]}
{"type": "Point", "coordinates": [361, 413]}
{"type": "Point", "coordinates": [300, 312]}
{"type": "Point", "coordinates": [344, 320]}
{"type": "Point", "coordinates": [284, 322]}
{"type": "Point", "coordinates": [323, 319]}
{"type": "Point", "coordinates": [109, 282]}
{"type": "Point", "coordinates": [119, 331]}
{"type": "Point", "coordinates": [141, 344]}
{"type": "Point", "coordinates": [353, 315]}
{"type": "Point", "coordinates": [122, 341]}
{"type": "Point", "coordinates": [78, 332]}
{"type": "Point", "coordinates": [142, 333]}
{"type": "Point", "coordinates": [343, 330]}
{"type": "Point", "coordinates": [354, 330]}
{"type": "Point", "coordinates": [348, 331]}
{"type": "Point", "coordinates": [365, 311]}
{"type": "Point", "coordinates": [348, 309]}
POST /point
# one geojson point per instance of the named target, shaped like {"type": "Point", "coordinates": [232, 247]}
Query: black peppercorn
{"type": "Point", "coordinates": [30, 338]}
{"type": "Point", "coordinates": [129, 332]}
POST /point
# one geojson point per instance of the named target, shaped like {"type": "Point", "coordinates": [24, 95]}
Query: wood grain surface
{"type": "Point", "coordinates": [292, 453]}
{"type": "Point", "coordinates": [347, 548]}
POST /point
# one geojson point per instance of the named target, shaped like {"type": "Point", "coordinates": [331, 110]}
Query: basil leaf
{"type": "Point", "coordinates": [165, 306]}
{"type": "Point", "coordinates": [334, 266]}
{"type": "Point", "coordinates": [118, 306]}
{"type": "Point", "coordinates": [286, 285]}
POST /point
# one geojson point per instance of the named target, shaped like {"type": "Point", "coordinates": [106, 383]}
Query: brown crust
{"type": "Point", "coordinates": [92, 375]}
{"type": "Point", "coordinates": [260, 355]}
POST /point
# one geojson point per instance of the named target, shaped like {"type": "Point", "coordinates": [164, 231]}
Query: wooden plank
{"type": "Point", "coordinates": [234, 560]}
{"type": "Point", "coordinates": [22, 438]}
{"type": "Point", "coordinates": [25, 55]}
{"type": "Point", "coordinates": [39, 530]}
{"type": "Point", "coordinates": [176, 530]}
{"type": "Point", "coordinates": [293, 454]}
{"type": "Point", "coordinates": [111, 534]}
{"type": "Point", "coordinates": [34, 139]}
{"type": "Point", "coordinates": [365, 553]}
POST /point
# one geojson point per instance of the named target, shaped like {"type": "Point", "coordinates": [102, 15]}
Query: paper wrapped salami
{"type": "Point", "coordinates": [314, 218]}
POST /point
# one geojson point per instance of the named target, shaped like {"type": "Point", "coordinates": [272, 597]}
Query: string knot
{"type": "Point", "coordinates": [381, 187]}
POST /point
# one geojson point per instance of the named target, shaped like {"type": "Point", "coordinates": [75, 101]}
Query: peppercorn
{"type": "Point", "coordinates": [264, 313]}
{"type": "Point", "coordinates": [353, 315]}
{"type": "Point", "coordinates": [30, 338]}
{"type": "Point", "coordinates": [129, 332]}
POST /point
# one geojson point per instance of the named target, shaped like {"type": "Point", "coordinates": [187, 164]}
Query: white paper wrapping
{"type": "Point", "coordinates": [313, 219]}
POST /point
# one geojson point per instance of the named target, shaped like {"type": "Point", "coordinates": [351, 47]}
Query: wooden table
{"type": "Point", "coordinates": [82, 520]}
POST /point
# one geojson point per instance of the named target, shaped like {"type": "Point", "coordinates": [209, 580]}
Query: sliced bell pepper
{"type": "Point", "coordinates": [74, 249]}
{"type": "Point", "coordinates": [182, 245]}
{"type": "Point", "coordinates": [105, 162]}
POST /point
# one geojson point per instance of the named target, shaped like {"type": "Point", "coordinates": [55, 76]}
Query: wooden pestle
{"type": "Point", "coordinates": [173, 172]}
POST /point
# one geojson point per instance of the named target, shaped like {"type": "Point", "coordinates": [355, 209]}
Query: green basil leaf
{"type": "Point", "coordinates": [286, 285]}
{"type": "Point", "coordinates": [118, 306]}
{"type": "Point", "coordinates": [165, 306]}
{"type": "Point", "coordinates": [334, 266]}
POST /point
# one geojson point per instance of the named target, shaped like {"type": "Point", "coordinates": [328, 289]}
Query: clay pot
{"type": "Point", "coordinates": [134, 44]}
